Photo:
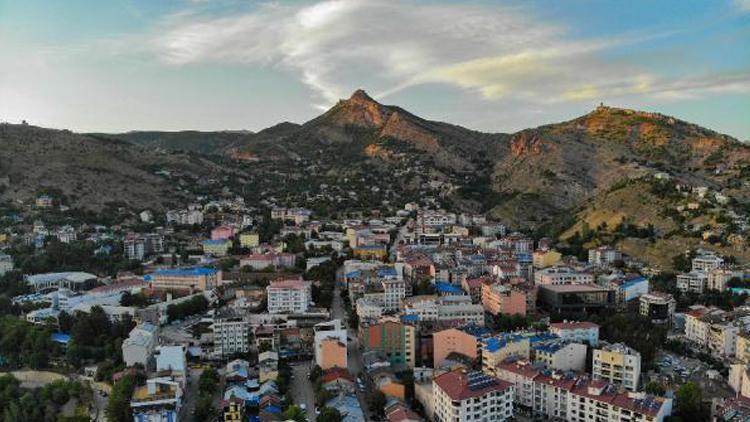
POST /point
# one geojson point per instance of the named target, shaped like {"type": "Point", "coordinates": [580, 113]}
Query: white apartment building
{"type": "Point", "coordinates": [394, 291]}
{"type": "Point", "coordinates": [692, 282]}
{"type": "Point", "coordinates": [6, 263]}
{"type": "Point", "coordinates": [706, 262]}
{"type": "Point", "coordinates": [289, 296]}
{"type": "Point", "coordinates": [445, 308]}
{"type": "Point", "coordinates": [562, 275]}
{"type": "Point", "coordinates": [231, 335]}
{"type": "Point", "coordinates": [561, 356]}
{"type": "Point", "coordinates": [460, 308]}
{"type": "Point", "coordinates": [461, 395]}
{"type": "Point", "coordinates": [696, 329]}
{"type": "Point", "coordinates": [435, 218]}
{"type": "Point", "coordinates": [568, 397]}
{"type": "Point", "coordinates": [617, 364]}
{"type": "Point", "coordinates": [722, 338]}
{"type": "Point", "coordinates": [604, 256]}
{"type": "Point", "coordinates": [576, 331]}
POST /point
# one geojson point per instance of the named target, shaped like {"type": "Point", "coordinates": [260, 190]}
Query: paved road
{"type": "Point", "coordinates": [100, 403]}
{"type": "Point", "coordinates": [301, 389]}
{"type": "Point", "coordinates": [190, 396]}
{"type": "Point", "coordinates": [399, 237]}
{"type": "Point", "coordinates": [354, 354]}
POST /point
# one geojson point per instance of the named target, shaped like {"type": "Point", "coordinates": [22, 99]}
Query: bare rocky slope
{"type": "Point", "coordinates": [531, 178]}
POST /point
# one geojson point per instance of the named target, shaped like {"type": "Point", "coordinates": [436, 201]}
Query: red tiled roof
{"type": "Point", "coordinates": [118, 286]}
{"type": "Point", "coordinates": [400, 413]}
{"type": "Point", "coordinates": [455, 385]}
{"type": "Point", "coordinates": [335, 374]}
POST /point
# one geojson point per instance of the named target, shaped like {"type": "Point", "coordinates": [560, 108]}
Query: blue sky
{"type": "Point", "coordinates": [489, 65]}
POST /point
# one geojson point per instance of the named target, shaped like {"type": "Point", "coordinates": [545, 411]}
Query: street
{"type": "Point", "coordinates": [191, 395]}
{"type": "Point", "coordinates": [354, 354]}
{"type": "Point", "coordinates": [301, 389]}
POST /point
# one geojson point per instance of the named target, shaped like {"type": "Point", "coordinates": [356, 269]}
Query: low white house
{"type": "Point", "coordinates": [140, 345]}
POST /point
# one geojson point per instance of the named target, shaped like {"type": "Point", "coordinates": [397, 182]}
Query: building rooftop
{"type": "Point", "coordinates": [461, 384]}
{"type": "Point", "coordinates": [573, 325]}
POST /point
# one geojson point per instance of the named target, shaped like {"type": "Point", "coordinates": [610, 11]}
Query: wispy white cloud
{"type": "Point", "coordinates": [743, 5]}
{"type": "Point", "coordinates": [335, 46]}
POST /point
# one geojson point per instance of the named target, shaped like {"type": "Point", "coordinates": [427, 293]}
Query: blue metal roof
{"type": "Point", "coordinates": [209, 242]}
{"type": "Point", "coordinates": [410, 318]}
{"type": "Point", "coordinates": [177, 272]}
{"type": "Point", "coordinates": [634, 281]}
{"type": "Point", "coordinates": [445, 287]}
{"type": "Point", "coordinates": [387, 271]}
{"type": "Point", "coordinates": [355, 273]}
{"type": "Point", "coordinates": [60, 338]}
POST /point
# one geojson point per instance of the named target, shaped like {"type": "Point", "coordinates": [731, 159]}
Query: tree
{"type": "Point", "coordinates": [377, 402]}
{"type": "Point", "coordinates": [329, 414]}
{"type": "Point", "coordinates": [208, 381]}
{"type": "Point", "coordinates": [204, 407]}
{"type": "Point", "coordinates": [294, 413]}
{"type": "Point", "coordinates": [690, 403]}
{"type": "Point", "coordinates": [118, 407]}
{"type": "Point", "coordinates": [654, 388]}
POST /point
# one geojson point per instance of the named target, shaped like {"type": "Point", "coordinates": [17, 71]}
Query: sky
{"type": "Point", "coordinates": [490, 65]}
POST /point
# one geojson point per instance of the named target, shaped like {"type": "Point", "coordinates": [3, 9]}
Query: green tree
{"type": "Point", "coordinates": [204, 407]}
{"type": "Point", "coordinates": [690, 405]}
{"type": "Point", "coordinates": [329, 414]}
{"type": "Point", "coordinates": [377, 402]}
{"type": "Point", "coordinates": [294, 413]}
{"type": "Point", "coordinates": [654, 388]}
{"type": "Point", "coordinates": [118, 407]}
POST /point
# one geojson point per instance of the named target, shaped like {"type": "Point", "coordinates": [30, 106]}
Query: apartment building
{"type": "Point", "coordinates": [554, 395]}
{"type": "Point", "coordinates": [197, 278]}
{"type": "Point", "coordinates": [617, 364]}
{"type": "Point", "coordinates": [231, 335]}
{"type": "Point", "coordinates": [692, 282]}
{"type": "Point", "coordinates": [394, 291]}
{"type": "Point", "coordinates": [503, 299]}
{"type": "Point", "coordinates": [718, 278]}
{"type": "Point", "coordinates": [657, 306]}
{"type": "Point", "coordinates": [289, 296]}
{"type": "Point", "coordinates": [392, 339]}
{"type": "Point", "coordinates": [465, 341]}
{"type": "Point", "coordinates": [6, 263]}
{"type": "Point", "coordinates": [497, 349]}
{"type": "Point", "coordinates": [460, 395]}
{"type": "Point", "coordinates": [576, 331]}
{"type": "Point", "coordinates": [137, 247]}
{"type": "Point", "coordinates": [561, 356]}
{"type": "Point", "coordinates": [604, 256]}
{"type": "Point", "coordinates": [329, 344]}
{"type": "Point", "coordinates": [706, 261]}
{"type": "Point", "coordinates": [561, 275]}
